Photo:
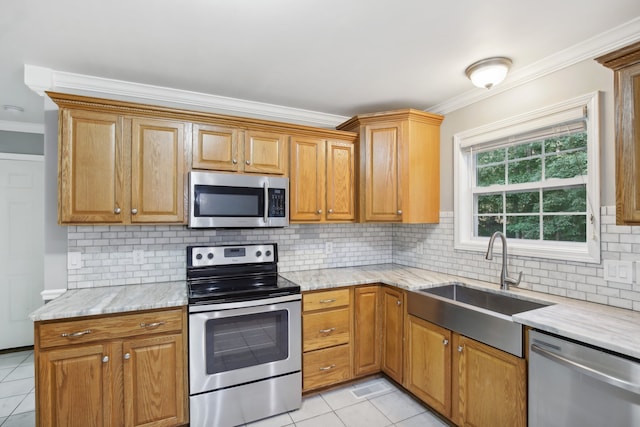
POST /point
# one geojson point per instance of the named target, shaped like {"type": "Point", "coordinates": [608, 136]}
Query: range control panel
{"type": "Point", "coordinates": [204, 256]}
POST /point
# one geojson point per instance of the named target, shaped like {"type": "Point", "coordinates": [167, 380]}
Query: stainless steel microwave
{"type": "Point", "coordinates": [237, 201]}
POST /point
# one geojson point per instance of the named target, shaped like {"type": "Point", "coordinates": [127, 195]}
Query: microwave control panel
{"type": "Point", "coordinates": [277, 205]}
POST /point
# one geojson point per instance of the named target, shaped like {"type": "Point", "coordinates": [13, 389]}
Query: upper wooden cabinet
{"type": "Point", "coordinates": [119, 169]}
{"type": "Point", "coordinates": [626, 64]}
{"type": "Point", "coordinates": [234, 149]}
{"type": "Point", "coordinates": [322, 180]}
{"type": "Point", "coordinates": [398, 166]}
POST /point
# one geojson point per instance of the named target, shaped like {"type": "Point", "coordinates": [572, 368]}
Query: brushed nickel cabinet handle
{"type": "Point", "coordinates": [319, 211]}
{"type": "Point", "coordinates": [127, 356]}
{"type": "Point", "coordinates": [151, 325]}
{"type": "Point", "coordinates": [248, 162]}
{"type": "Point", "coordinates": [326, 331]}
{"type": "Point", "coordinates": [399, 211]}
{"type": "Point", "coordinates": [75, 334]}
{"type": "Point", "coordinates": [105, 359]}
{"type": "Point", "coordinates": [117, 211]}
{"type": "Point", "coordinates": [134, 211]}
{"type": "Point", "coordinates": [234, 161]}
{"type": "Point", "coordinates": [326, 301]}
{"type": "Point", "coordinates": [330, 210]}
{"type": "Point", "coordinates": [326, 368]}
{"type": "Point", "coordinates": [445, 341]}
{"type": "Point", "coordinates": [398, 302]}
{"type": "Point", "coordinates": [460, 349]}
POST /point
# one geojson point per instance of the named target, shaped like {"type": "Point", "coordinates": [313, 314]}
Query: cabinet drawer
{"type": "Point", "coordinates": [325, 329]}
{"type": "Point", "coordinates": [325, 367]}
{"type": "Point", "coordinates": [106, 328]}
{"type": "Point", "coordinates": [325, 299]}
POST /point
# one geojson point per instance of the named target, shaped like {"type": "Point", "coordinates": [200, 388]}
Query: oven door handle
{"type": "Point", "coordinates": [242, 304]}
{"type": "Point", "coordinates": [265, 186]}
{"type": "Point", "coordinates": [587, 370]}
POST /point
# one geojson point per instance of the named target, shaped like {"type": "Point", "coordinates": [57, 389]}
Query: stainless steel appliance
{"type": "Point", "coordinates": [571, 384]}
{"type": "Point", "coordinates": [244, 335]}
{"type": "Point", "coordinates": [237, 201]}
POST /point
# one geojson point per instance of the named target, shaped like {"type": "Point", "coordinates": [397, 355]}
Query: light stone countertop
{"type": "Point", "coordinates": [113, 299]}
{"type": "Point", "coordinates": [603, 326]}
{"type": "Point", "coordinates": [611, 328]}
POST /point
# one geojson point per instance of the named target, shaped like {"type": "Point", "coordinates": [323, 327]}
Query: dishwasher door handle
{"type": "Point", "coordinates": [593, 373]}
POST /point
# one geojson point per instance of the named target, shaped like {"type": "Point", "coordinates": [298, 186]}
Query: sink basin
{"type": "Point", "coordinates": [499, 303]}
{"type": "Point", "coordinates": [479, 314]}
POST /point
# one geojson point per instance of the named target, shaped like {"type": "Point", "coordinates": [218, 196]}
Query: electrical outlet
{"type": "Point", "coordinates": [138, 256]}
{"type": "Point", "coordinates": [618, 271]}
{"type": "Point", "coordinates": [74, 260]}
{"type": "Point", "coordinates": [328, 248]}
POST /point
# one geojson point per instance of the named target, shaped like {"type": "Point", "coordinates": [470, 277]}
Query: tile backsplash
{"type": "Point", "coordinates": [107, 254]}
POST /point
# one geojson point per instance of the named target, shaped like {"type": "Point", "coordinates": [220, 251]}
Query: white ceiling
{"type": "Point", "coordinates": [342, 57]}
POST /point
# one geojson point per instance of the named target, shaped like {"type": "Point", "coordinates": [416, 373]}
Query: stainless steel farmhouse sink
{"type": "Point", "coordinates": [479, 314]}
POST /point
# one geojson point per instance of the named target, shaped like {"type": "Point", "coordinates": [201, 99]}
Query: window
{"type": "Point", "coordinates": [535, 178]}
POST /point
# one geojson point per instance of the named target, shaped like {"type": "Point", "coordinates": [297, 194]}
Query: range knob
{"type": "Point", "coordinates": [268, 253]}
{"type": "Point", "coordinates": [210, 255]}
{"type": "Point", "coordinates": [258, 254]}
{"type": "Point", "coordinates": [199, 256]}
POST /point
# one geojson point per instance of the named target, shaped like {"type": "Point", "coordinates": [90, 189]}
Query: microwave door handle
{"type": "Point", "coordinates": [265, 186]}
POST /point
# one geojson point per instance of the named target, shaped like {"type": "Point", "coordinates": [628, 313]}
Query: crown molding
{"type": "Point", "coordinates": [25, 127]}
{"type": "Point", "coordinates": [41, 79]}
{"type": "Point", "coordinates": [608, 41]}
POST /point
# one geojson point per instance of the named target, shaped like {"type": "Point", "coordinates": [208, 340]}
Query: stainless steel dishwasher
{"type": "Point", "coordinates": [571, 384]}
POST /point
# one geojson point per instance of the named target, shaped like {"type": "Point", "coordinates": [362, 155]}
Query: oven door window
{"type": "Point", "coordinates": [248, 340]}
{"type": "Point", "coordinates": [220, 201]}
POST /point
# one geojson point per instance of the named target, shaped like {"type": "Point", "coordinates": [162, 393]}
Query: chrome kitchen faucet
{"type": "Point", "coordinates": [505, 280]}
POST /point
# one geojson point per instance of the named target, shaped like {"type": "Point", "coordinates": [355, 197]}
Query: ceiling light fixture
{"type": "Point", "coordinates": [13, 109]}
{"type": "Point", "coordinates": [488, 72]}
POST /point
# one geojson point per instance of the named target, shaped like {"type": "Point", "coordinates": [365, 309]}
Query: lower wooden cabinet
{"type": "Point", "coordinates": [366, 330]}
{"type": "Point", "coordinates": [138, 378]}
{"type": "Point", "coordinates": [428, 373]}
{"type": "Point", "coordinates": [470, 383]}
{"type": "Point", "coordinates": [392, 331]}
{"type": "Point", "coordinates": [326, 367]}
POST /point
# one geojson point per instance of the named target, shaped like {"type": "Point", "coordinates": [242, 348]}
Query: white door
{"type": "Point", "coordinates": [21, 246]}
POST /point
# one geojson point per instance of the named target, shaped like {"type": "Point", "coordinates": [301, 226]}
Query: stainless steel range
{"type": "Point", "coordinates": [244, 335]}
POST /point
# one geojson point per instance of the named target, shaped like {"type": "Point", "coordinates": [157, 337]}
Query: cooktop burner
{"type": "Point", "coordinates": [217, 274]}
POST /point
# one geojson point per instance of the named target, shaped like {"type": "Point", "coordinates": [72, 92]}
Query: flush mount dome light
{"type": "Point", "coordinates": [488, 72]}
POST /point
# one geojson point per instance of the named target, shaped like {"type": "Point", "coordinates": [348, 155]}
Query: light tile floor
{"type": "Point", "coordinates": [389, 406]}
{"type": "Point", "coordinates": [17, 390]}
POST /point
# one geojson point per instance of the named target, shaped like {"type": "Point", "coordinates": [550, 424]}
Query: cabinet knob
{"type": "Point", "coordinates": [234, 161]}
{"type": "Point", "coordinates": [460, 349]}
{"type": "Point", "coordinates": [319, 211]}
{"type": "Point", "coordinates": [127, 356]}
{"type": "Point", "coordinates": [398, 302]}
{"type": "Point", "coordinates": [399, 211]}
{"type": "Point", "coordinates": [330, 210]}
{"type": "Point", "coordinates": [248, 162]}
{"type": "Point", "coordinates": [117, 210]}
{"type": "Point", "coordinates": [445, 341]}
{"type": "Point", "coordinates": [105, 359]}
{"type": "Point", "coordinates": [134, 211]}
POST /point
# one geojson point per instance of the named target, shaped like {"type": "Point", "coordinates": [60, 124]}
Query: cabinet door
{"type": "Point", "coordinates": [366, 330]}
{"type": "Point", "coordinates": [340, 182]}
{"type": "Point", "coordinates": [382, 192]}
{"type": "Point", "coordinates": [75, 387]}
{"type": "Point", "coordinates": [491, 386]}
{"type": "Point", "coordinates": [265, 152]}
{"type": "Point", "coordinates": [154, 381]}
{"type": "Point", "coordinates": [628, 144]}
{"type": "Point", "coordinates": [392, 332]}
{"type": "Point", "coordinates": [157, 171]}
{"type": "Point", "coordinates": [428, 373]}
{"type": "Point", "coordinates": [91, 167]}
{"type": "Point", "coordinates": [215, 148]}
{"type": "Point", "coordinates": [306, 196]}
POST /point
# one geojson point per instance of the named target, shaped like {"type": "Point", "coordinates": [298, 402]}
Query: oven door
{"type": "Point", "coordinates": [236, 343]}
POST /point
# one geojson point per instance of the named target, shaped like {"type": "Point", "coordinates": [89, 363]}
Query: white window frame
{"type": "Point", "coordinates": [484, 136]}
